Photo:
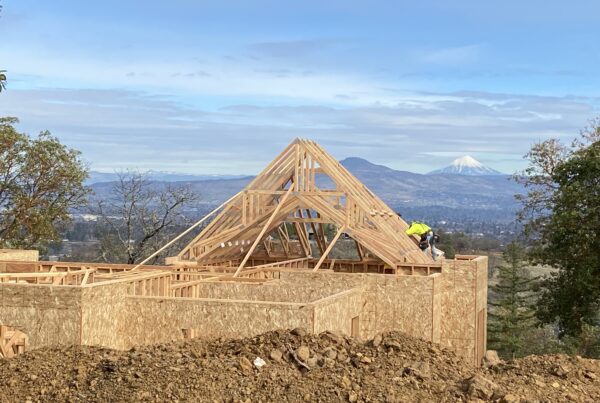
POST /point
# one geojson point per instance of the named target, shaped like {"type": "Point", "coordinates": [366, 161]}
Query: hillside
{"type": "Point", "coordinates": [399, 188]}
{"type": "Point", "coordinates": [297, 367]}
{"type": "Point", "coordinates": [458, 196]}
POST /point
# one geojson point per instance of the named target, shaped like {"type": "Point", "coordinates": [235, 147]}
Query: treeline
{"type": "Point", "coordinates": [535, 311]}
{"type": "Point", "coordinates": [467, 244]}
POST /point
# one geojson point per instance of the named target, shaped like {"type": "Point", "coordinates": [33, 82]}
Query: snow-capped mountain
{"type": "Point", "coordinates": [466, 165]}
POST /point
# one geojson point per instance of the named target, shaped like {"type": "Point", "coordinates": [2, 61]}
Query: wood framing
{"type": "Point", "coordinates": [305, 188]}
{"type": "Point", "coordinates": [12, 342]}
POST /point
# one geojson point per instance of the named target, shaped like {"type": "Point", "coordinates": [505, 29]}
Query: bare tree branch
{"type": "Point", "coordinates": [140, 217]}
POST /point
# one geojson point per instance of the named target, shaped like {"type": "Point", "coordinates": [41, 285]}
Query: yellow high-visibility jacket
{"type": "Point", "coordinates": [418, 228]}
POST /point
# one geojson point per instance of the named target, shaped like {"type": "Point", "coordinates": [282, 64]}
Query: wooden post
{"type": "Point", "coordinates": [172, 241]}
{"type": "Point", "coordinates": [330, 247]}
{"type": "Point", "coordinates": [359, 250]}
{"type": "Point", "coordinates": [264, 229]}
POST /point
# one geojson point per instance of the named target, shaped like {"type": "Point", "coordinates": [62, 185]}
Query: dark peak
{"type": "Point", "coordinates": [357, 163]}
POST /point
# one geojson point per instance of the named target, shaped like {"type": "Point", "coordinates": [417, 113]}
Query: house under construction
{"type": "Point", "coordinates": [263, 263]}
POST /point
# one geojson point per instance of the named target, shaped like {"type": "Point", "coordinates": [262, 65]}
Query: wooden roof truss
{"type": "Point", "coordinates": [303, 188]}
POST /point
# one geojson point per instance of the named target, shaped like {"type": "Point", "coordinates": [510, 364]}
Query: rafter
{"type": "Point", "coordinates": [288, 191]}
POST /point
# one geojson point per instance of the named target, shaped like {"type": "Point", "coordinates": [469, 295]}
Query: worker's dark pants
{"type": "Point", "coordinates": [431, 242]}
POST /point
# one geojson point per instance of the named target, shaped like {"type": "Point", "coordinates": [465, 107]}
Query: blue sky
{"type": "Point", "coordinates": [221, 87]}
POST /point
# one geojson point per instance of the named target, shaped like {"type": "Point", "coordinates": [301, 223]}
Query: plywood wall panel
{"type": "Point", "coordinates": [464, 292]}
{"type": "Point", "coordinates": [49, 315]}
{"type": "Point", "coordinates": [26, 255]}
{"type": "Point", "coordinates": [154, 320]}
{"type": "Point", "coordinates": [336, 313]}
{"type": "Point", "coordinates": [104, 309]}
{"type": "Point", "coordinates": [275, 291]}
{"type": "Point", "coordinates": [389, 302]}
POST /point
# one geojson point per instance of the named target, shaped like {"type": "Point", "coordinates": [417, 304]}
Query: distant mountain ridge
{"type": "Point", "coordinates": [96, 177]}
{"type": "Point", "coordinates": [466, 165]}
{"type": "Point", "coordinates": [465, 196]}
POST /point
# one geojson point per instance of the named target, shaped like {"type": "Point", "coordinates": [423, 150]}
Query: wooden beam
{"type": "Point", "coordinates": [318, 240]}
{"type": "Point", "coordinates": [329, 248]}
{"type": "Point", "coordinates": [359, 250]}
{"type": "Point", "coordinates": [262, 232]}
{"type": "Point", "coordinates": [284, 239]}
{"type": "Point", "coordinates": [178, 237]}
{"type": "Point", "coordinates": [366, 218]}
{"type": "Point", "coordinates": [309, 220]}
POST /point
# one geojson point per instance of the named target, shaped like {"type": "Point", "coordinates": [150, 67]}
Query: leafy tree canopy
{"type": "Point", "coordinates": [561, 217]}
{"type": "Point", "coordinates": [40, 181]}
{"type": "Point", "coordinates": [570, 240]}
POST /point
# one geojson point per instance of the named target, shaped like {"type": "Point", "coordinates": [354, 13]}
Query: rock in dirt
{"type": "Point", "coordinates": [245, 364]}
{"type": "Point", "coordinates": [510, 398]}
{"type": "Point", "coordinates": [480, 388]}
{"type": "Point", "coordinates": [334, 337]}
{"type": "Point", "coordinates": [299, 331]}
{"type": "Point", "coordinates": [312, 362]}
{"type": "Point", "coordinates": [259, 362]}
{"type": "Point", "coordinates": [561, 371]}
{"type": "Point", "coordinates": [303, 353]}
{"type": "Point", "coordinates": [393, 344]}
{"type": "Point", "coordinates": [330, 353]}
{"type": "Point", "coordinates": [366, 360]}
{"type": "Point", "coordinates": [490, 358]}
{"type": "Point", "coordinates": [418, 369]}
{"type": "Point", "coordinates": [377, 340]}
{"type": "Point", "coordinates": [276, 355]}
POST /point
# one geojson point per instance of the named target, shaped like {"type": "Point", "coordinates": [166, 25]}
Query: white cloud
{"type": "Point", "coordinates": [127, 129]}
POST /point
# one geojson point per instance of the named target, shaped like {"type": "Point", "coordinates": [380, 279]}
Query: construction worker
{"type": "Point", "coordinates": [426, 234]}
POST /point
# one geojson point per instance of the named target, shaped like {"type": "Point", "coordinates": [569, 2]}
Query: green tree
{"type": "Point", "coordinates": [570, 240]}
{"type": "Point", "coordinates": [41, 180]}
{"type": "Point", "coordinates": [511, 314]}
{"type": "Point", "coordinates": [560, 216]}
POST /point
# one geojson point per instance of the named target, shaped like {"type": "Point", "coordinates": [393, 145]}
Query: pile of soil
{"type": "Point", "coordinates": [291, 366]}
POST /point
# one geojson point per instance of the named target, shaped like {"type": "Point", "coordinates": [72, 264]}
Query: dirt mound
{"type": "Point", "coordinates": [549, 378]}
{"type": "Point", "coordinates": [290, 366]}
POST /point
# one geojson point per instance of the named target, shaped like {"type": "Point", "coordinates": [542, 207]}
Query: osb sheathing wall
{"type": "Point", "coordinates": [147, 320]}
{"type": "Point", "coordinates": [388, 302]}
{"type": "Point", "coordinates": [481, 304]}
{"type": "Point", "coordinates": [49, 315]}
{"type": "Point", "coordinates": [155, 320]}
{"type": "Point", "coordinates": [464, 294]}
{"type": "Point", "coordinates": [103, 315]}
{"type": "Point", "coordinates": [26, 255]}
{"type": "Point", "coordinates": [335, 313]}
{"type": "Point", "coordinates": [274, 291]}
{"type": "Point", "coordinates": [441, 308]}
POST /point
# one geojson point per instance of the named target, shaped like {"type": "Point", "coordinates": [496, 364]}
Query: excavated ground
{"type": "Point", "coordinates": [297, 367]}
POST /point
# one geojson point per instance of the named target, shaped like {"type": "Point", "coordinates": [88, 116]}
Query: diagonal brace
{"type": "Point", "coordinates": [264, 229]}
